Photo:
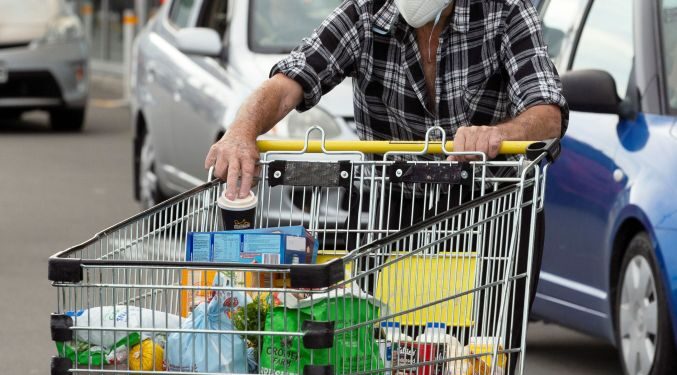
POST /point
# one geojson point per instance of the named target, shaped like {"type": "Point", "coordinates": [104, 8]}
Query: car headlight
{"type": "Point", "coordinates": [296, 124]}
{"type": "Point", "coordinates": [61, 30]}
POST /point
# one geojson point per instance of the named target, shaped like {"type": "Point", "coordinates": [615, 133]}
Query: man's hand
{"type": "Point", "coordinates": [537, 123]}
{"type": "Point", "coordinates": [235, 156]}
{"type": "Point", "coordinates": [486, 139]}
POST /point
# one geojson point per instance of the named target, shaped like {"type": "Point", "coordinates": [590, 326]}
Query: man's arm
{"type": "Point", "coordinates": [537, 106]}
{"type": "Point", "coordinates": [536, 123]}
{"type": "Point", "coordinates": [315, 67]}
{"type": "Point", "coordinates": [236, 153]}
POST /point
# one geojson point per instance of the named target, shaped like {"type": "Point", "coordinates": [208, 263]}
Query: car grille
{"type": "Point", "coordinates": [30, 85]}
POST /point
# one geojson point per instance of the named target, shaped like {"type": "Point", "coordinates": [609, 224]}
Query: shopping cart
{"type": "Point", "coordinates": [416, 271]}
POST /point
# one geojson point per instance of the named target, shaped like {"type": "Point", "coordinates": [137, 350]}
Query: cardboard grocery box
{"type": "Point", "coordinates": [234, 247]}
{"type": "Point", "coordinates": [312, 244]}
{"type": "Point", "coordinates": [257, 246]}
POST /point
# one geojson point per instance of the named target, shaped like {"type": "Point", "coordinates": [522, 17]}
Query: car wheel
{"type": "Point", "coordinates": [643, 329]}
{"type": "Point", "coordinates": [67, 120]}
{"type": "Point", "coordinates": [149, 191]}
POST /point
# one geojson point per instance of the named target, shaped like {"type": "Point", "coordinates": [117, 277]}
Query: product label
{"type": "Point", "coordinates": [242, 224]}
{"type": "Point", "coordinates": [226, 247]}
{"type": "Point", "coordinates": [386, 351]}
{"type": "Point", "coordinates": [261, 243]}
{"type": "Point", "coordinates": [201, 247]}
{"type": "Point", "coordinates": [410, 354]}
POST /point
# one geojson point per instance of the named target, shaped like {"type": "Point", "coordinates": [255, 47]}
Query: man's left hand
{"type": "Point", "coordinates": [486, 139]}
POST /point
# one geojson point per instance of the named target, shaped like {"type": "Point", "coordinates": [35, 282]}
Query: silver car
{"type": "Point", "coordinates": [195, 63]}
{"type": "Point", "coordinates": [43, 62]}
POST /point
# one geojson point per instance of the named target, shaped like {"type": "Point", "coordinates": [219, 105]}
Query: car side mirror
{"type": "Point", "coordinates": [201, 41]}
{"type": "Point", "coordinates": [591, 91]}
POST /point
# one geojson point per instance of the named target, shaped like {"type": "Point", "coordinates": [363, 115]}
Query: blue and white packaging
{"type": "Point", "coordinates": [247, 247]}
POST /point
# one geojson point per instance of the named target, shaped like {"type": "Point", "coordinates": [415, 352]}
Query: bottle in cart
{"type": "Point", "coordinates": [435, 344]}
{"type": "Point", "coordinates": [391, 335]}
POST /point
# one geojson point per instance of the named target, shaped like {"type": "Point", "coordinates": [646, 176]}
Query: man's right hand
{"type": "Point", "coordinates": [235, 156]}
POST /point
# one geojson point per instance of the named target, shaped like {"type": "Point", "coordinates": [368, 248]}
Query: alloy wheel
{"type": "Point", "coordinates": [638, 316]}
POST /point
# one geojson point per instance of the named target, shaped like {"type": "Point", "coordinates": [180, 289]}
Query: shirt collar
{"type": "Point", "coordinates": [387, 18]}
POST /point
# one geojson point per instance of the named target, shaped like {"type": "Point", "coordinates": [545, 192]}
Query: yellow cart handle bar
{"type": "Point", "coordinates": [529, 148]}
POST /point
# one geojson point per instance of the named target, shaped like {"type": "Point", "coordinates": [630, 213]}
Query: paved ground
{"type": "Point", "coordinates": [58, 189]}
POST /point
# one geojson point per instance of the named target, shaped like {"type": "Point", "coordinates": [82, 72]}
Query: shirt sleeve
{"type": "Point", "coordinates": [328, 56]}
{"type": "Point", "coordinates": [533, 78]}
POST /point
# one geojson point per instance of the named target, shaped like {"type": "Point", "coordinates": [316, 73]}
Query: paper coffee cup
{"type": "Point", "coordinates": [238, 214]}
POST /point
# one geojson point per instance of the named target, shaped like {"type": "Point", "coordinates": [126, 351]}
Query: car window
{"type": "Point", "coordinates": [560, 18]}
{"type": "Point", "coordinates": [607, 41]}
{"type": "Point", "coordinates": [214, 15]}
{"type": "Point", "coordinates": [181, 11]}
{"type": "Point", "coordinates": [28, 11]}
{"type": "Point", "coordinates": [23, 21]}
{"type": "Point", "coordinates": [278, 26]}
{"type": "Point", "coordinates": [669, 23]}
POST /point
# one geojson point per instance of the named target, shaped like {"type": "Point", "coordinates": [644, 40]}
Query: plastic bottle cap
{"type": "Point", "coordinates": [390, 324]}
{"type": "Point", "coordinates": [436, 325]}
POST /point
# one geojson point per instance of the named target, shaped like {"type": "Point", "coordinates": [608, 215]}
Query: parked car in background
{"type": "Point", "coordinates": [610, 263]}
{"type": "Point", "coordinates": [195, 63]}
{"type": "Point", "coordinates": [43, 62]}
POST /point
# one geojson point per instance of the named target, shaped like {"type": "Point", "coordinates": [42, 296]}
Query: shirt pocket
{"type": "Point", "coordinates": [479, 74]}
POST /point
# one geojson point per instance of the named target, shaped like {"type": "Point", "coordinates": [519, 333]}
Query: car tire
{"type": "Point", "coordinates": [643, 329]}
{"type": "Point", "coordinates": [147, 180]}
{"type": "Point", "coordinates": [67, 119]}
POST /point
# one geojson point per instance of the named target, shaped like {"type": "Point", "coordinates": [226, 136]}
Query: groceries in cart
{"type": "Point", "coordinates": [119, 317]}
{"type": "Point", "coordinates": [111, 344]}
{"type": "Point", "coordinates": [203, 352]}
{"type": "Point", "coordinates": [280, 245]}
{"type": "Point", "coordinates": [146, 356]}
{"type": "Point", "coordinates": [433, 351]}
{"type": "Point", "coordinates": [433, 296]}
{"type": "Point", "coordinates": [349, 309]}
{"type": "Point", "coordinates": [290, 245]}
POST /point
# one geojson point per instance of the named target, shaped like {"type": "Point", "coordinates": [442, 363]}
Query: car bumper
{"type": "Point", "coordinates": [45, 76]}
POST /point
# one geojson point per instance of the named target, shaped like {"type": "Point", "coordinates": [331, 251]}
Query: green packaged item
{"type": "Point", "coordinates": [353, 351]}
{"type": "Point", "coordinates": [85, 354]}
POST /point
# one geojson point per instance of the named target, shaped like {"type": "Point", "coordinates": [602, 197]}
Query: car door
{"type": "Point", "coordinates": [201, 99]}
{"type": "Point", "coordinates": [156, 70]}
{"type": "Point", "coordinates": [585, 182]}
{"type": "Point", "coordinates": [161, 70]}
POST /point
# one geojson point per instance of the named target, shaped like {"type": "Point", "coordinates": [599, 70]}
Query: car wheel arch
{"type": "Point", "coordinates": [628, 228]}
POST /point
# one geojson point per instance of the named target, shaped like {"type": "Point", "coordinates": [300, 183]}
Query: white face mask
{"type": "Point", "coordinates": [419, 12]}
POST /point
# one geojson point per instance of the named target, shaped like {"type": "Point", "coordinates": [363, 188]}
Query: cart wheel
{"type": "Point", "coordinates": [149, 191]}
{"type": "Point", "coordinates": [643, 328]}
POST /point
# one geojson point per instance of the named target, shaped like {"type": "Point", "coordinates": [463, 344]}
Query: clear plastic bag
{"type": "Point", "coordinates": [206, 352]}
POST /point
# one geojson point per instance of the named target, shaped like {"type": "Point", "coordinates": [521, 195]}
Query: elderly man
{"type": "Point", "coordinates": [477, 68]}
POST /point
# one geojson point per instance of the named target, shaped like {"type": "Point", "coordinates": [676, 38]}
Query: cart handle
{"type": "Point", "coordinates": [381, 147]}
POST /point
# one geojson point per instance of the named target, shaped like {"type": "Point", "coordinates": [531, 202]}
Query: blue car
{"type": "Point", "coordinates": [610, 261]}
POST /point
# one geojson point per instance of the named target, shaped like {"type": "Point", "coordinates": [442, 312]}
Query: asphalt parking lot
{"type": "Point", "coordinates": [59, 189]}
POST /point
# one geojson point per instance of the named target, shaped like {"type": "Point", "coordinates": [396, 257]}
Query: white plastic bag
{"type": "Point", "coordinates": [202, 352]}
{"type": "Point", "coordinates": [119, 317]}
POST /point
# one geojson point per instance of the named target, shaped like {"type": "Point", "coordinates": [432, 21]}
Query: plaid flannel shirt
{"type": "Point", "coordinates": [492, 66]}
